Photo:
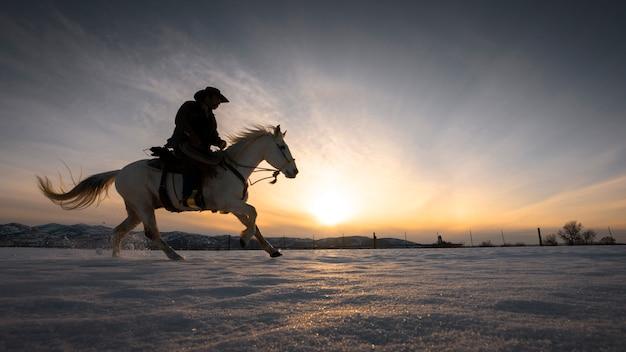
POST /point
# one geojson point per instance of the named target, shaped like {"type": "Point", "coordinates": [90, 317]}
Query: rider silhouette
{"type": "Point", "coordinates": [195, 133]}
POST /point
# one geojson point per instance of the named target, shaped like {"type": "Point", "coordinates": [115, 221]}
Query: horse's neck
{"type": "Point", "coordinates": [250, 157]}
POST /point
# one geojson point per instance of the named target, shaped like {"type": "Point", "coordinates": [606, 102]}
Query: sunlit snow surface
{"type": "Point", "coordinates": [480, 299]}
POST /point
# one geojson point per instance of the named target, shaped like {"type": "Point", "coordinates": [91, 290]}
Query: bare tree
{"type": "Point", "coordinates": [551, 240]}
{"type": "Point", "coordinates": [607, 240]}
{"type": "Point", "coordinates": [588, 236]}
{"type": "Point", "coordinates": [571, 232]}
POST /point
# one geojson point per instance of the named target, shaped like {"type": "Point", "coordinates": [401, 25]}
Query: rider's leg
{"type": "Point", "coordinates": [191, 183]}
{"type": "Point", "coordinates": [197, 165]}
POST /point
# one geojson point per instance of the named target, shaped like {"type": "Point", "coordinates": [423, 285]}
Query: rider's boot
{"type": "Point", "coordinates": [195, 200]}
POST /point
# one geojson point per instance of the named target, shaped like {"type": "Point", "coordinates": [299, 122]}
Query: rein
{"type": "Point", "coordinates": [274, 176]}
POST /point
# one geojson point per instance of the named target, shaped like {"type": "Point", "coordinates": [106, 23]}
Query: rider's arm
{"type": "Point", "coordinates": [205, 158]}
{"type": "Point", "coordinates": [214, 136]}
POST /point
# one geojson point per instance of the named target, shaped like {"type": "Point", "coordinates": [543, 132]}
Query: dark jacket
{"type": "Point", "coordinates": [195, 127]}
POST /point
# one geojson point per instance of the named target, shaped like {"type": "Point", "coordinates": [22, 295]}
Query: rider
{"type": "Point", "coordinates": [195, 133]}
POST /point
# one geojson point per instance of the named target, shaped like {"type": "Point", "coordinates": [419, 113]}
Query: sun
{"type": "Point", "coordinates": [331, 207]}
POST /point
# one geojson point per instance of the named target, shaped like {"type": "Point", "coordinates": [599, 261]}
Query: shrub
{"type": "Point", "coordinates": [486, 244]}
{"type": "Point", "coordinates": [551, 240]}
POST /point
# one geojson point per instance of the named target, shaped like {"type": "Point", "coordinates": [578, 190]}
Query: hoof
{"type": "Point", "coordinates": [242, 243]}
{"type": "Point", "coordinates": [276, 254]}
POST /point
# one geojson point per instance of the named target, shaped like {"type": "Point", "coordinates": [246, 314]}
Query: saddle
{"type": "Point", "coordinates": [174, 170]}
{"type": "Point", "coordinates": [166, 159]}
{"type": "Point", "coordinates": [170, 164]}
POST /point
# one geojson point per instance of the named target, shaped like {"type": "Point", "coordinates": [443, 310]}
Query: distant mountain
{"type": "Point", "coordinates": [97, 236]}
{"type": "Point", "coordinates": [61, 236]}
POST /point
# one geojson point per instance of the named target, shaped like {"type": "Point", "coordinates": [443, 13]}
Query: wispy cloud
{"type": "Point", "coordinates": [418, 127]}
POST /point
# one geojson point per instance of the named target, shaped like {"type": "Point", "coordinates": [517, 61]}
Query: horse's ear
{"type": "Point", "coordinates": [277, 131]}
{"type": "Point", "coordinates": [285, 133]}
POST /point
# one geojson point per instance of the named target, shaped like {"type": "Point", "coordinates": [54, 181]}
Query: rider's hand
{"type": "Point", "coordinates": [222, 144]}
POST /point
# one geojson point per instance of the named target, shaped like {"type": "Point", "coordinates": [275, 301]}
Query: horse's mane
{"type": "Point", "coordinates": [249, 134]}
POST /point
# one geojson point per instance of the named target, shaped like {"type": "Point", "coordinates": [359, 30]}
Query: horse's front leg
{"type": "Point", "coordinates": [273, 252]}
{"type": "Point", "coordinates": [246, 213]}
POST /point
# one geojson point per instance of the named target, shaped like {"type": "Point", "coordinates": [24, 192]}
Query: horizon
{"type": "Point", "coordinates": [478, 236]}
{"type": "Point", "coordinates": [440, 118]}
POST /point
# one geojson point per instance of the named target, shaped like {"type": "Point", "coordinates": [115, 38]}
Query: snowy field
{"type": "Point", "coordinates": [480, 299]}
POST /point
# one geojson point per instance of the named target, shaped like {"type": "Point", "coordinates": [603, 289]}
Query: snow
{"type": "Point", "coordinates": [470, 299]}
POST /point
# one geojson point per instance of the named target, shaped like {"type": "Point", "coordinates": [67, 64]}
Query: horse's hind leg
{"type": "Point", "coordinates": [122, 230]}
{"type": "Point", "coordinates": [152, 232]}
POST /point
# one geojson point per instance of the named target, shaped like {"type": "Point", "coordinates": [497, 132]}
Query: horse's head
{"type": "Point", "coordinates": [279, 156]}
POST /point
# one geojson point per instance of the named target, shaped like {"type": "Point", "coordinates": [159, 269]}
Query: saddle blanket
{"type": "Point", "coordinates": [174, 191]}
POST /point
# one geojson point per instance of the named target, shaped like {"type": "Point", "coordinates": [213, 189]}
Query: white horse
{"type": "Point", "coordinates": [138, 184]}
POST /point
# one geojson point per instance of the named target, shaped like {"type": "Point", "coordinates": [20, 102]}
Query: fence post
{"type": "Point", "coordinates": [374, 239]}
{"type": "Point", "coordinates": [228, 242]}
{"type": "Point", "coordinates": [539, 234]}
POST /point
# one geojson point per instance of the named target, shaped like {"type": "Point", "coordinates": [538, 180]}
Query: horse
{"type": "Point", "coordinates": [138, 183]}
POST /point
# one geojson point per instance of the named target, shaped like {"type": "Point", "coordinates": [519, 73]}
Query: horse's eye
{"type": "Point", "coordinates": [281, 147]}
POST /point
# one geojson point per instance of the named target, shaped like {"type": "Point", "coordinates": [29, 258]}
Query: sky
{"type": "Point", "coordinates": [416, 117]}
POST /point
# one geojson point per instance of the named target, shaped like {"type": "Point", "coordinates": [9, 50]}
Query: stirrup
{"type": "Point", "coordinates": [192, 202]}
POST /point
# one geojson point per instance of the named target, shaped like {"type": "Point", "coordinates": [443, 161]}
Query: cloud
{"type": "Point", "coordinates": [450, 128]}
{"type": "Point", "coordinates": [598, 204]}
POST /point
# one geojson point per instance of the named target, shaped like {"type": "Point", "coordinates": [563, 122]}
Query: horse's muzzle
{"type": "Point", "coordinates": [291, 173]}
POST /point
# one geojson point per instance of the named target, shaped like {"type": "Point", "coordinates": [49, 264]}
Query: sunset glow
{"type": "Point", "coordinates": [331, 207]}
{"type": "Point", "coordinates": [424, 123]}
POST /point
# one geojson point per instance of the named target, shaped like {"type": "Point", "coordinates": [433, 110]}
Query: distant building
{"type": "Point", "coordinates": [443, 244]}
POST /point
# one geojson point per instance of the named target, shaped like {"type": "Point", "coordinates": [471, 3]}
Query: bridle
{"type": "Point", "coordinates": [292, 160]}
{"type": "Point", "coordinates": [275, 171]}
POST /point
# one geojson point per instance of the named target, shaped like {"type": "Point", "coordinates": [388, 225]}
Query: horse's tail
{"type": "Point", "coordinates": [84, 194]}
